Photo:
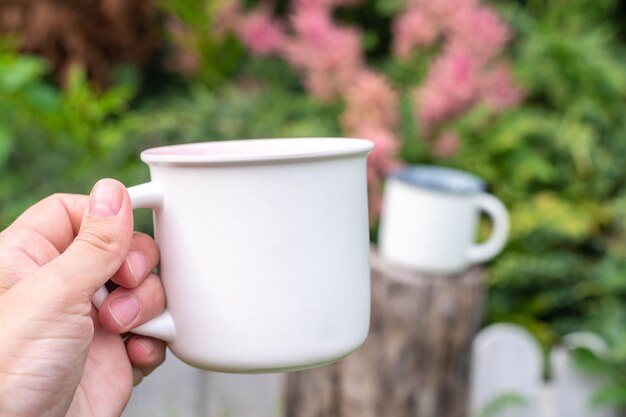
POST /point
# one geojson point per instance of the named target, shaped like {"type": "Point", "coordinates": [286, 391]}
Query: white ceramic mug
{"type": "Point", "coordinates": [429, 220]}
{"type": "Point", "coordinates": [264, 251]}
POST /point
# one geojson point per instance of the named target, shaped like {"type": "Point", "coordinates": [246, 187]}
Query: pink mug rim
{"type": "Point", "coordinates": [257, 150]}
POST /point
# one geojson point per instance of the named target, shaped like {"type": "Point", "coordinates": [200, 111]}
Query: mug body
{"type": "Point", "coordinates": [429, 218]}
{"type": "Point", "coordinates": [264, 252]}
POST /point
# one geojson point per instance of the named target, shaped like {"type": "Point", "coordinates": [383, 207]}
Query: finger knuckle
{"type": "Point", "coordinates": [17, 238]}
{"type": "Point", "coordinates": [26, 241]}
{"type": "Point", "coordinates": [142, 237]}
{"type": "Point", "coordinates": [143, 240]}
{"type": "Point", "coordinates": [100, 237]}
{"type": "Point", "coordinates": [154, 283]}
{"type": "Point", "coordinates": [56, 199]}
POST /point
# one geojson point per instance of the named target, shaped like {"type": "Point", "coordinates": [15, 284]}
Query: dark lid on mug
{"type": "Point", "coordinates": [440, 179]}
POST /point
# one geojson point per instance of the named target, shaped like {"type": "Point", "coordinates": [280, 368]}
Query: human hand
{"type": "Point", "coordinates": [58, 355]}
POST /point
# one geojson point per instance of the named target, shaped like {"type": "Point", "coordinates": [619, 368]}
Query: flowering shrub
{"type": "Point", "coordinates": [467, 68]}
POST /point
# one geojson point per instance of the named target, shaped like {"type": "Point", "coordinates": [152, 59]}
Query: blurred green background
{"type": "Point", "coordinates": [84, 88]}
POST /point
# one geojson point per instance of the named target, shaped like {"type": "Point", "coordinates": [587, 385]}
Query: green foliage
{"type": "Point", "coordinates": [234, 113]}
{"type": "Point", "coordinates": [49, 136]}
{"type": "Point", "coordinates": [610, 368]}
{"type": "Point", "coordinates": [218, 55]}
{"type": "Point", "coordinates": [501, 403]}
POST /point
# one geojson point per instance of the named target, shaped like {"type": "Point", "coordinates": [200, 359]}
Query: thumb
{"type": "Point", "coordinates": [101, 245]}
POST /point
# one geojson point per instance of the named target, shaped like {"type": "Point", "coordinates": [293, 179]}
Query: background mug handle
{"type": "Point", "coordinates": [148, 195]}
{"type": "Point", "coordinates": [494, 208]}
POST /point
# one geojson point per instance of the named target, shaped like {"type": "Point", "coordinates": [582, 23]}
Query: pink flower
{"type": "Point", "coordinates": [323, 85]}
{"type": "Point", "coordinates": [260, 32]}
{"type": "Point", "coordinates": [227, 16]}
{"type": "Point", "coordinates": [444, 12]}
{"type": "Point", "coordinates": [380, 163]}
{"type": "Point", "coordinates": [182, 56]}
{"type": "Point", "coordinates": [328, 55]}
{"type": "Point", "coordinates": [446, 145]}
{"type": "Point", "coordinates": [450, 87]}
{"type": "Point", "coordinates": [413, 29]}
{"type": "Point", "coordinates": [326, 4]}
{"type": "Point", "coordinates": [319, 37]}
{"type": "Point", "coordinates": [497, 89]}
{"type": "Point", "coordinates": [370, 100]}
{"type": "Point", "coordinates": [384, 157]}
{"type": "Point", "coordinates": [481, 32]}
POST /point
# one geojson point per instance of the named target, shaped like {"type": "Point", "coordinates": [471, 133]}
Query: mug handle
{"type": "Point", "coordinates": [148, 195]}
{"type": "Point", "coordinates": [491, 247]}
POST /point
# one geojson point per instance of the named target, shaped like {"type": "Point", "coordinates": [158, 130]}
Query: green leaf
{"type": "Point", "coordinates": [43, 98]}
{"type": "Point", "coordinates": [588, 362]}
{"type": "Point", "coordinates": [17, 72]}
{"type": "Point", "coordinates": [113, 100]}
{"type": "Point", "coordinates": [502, 402]}
{"type": "Point", "coordinates": [612, 395]}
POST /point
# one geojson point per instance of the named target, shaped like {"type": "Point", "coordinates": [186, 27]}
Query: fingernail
{"type": "Point", "coordinates": [147, 346]}
{"type": "Point", "coordinates": [138, 264]}
{"type": "Point", "coordinates": [106, 199]}
{"type": "Point", "coordinates": [124, 310]}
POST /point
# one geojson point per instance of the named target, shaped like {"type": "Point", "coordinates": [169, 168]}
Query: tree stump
{"type": "Point", "coordinates": [415, 361]}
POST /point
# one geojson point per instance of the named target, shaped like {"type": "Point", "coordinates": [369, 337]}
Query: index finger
{"type": "Point", "coordinates": [57, 218]}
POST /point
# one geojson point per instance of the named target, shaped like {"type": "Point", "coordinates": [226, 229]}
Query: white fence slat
{"type": "Point", "coordinates": [588, 340]}
{"type": "Point", "coordinates": [176, 389]}
{"type": "Point", "coordinates": [506, 359]}
{"type": "Point", "coordinates": [173, 390]}
{"type": "Point", "coordinates": [573, 389]}
{"type": "Point", "coordinates": [229, 395]}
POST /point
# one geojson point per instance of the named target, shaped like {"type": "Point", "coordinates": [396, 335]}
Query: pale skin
{"type": "Point", "coordinates": [59, 356]}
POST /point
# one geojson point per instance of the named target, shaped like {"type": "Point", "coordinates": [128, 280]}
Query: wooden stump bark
{"type": "Point", "coordinates": [415, 361]}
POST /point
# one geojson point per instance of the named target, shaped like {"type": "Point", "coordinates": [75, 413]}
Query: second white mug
{"type": "Point", "coordinates": [430, 216]}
